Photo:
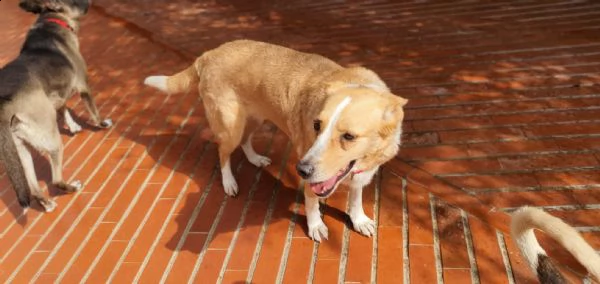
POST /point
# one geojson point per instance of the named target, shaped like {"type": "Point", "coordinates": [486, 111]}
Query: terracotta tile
{"type": "Point", "coordinates": [126, 196]}
{"type": "Point", "coordinates": [434, 152]}
{"type": "Point", "coordinates": [47, 278]}
{"type": "Point", "coordinates": [539, 198]}
{"type": "Point", "coordinates": [462, 166]}
{"type": "Point", "coordinates": [83, 261]}
{"type": "Point", "coordinates": [147, 235]}
{"type": "Point", "coordinates": [390, 259]}
{"type": "Point", "coordinates": [272, 247]}
{"type": "Point", "coordinates": [457, 275]}
{"type": "Point", "coordinates": [71, 244]}
{"type": "Point", "coordinates": [248, 237]}
{"type": "Point", "coordinates": [453, 246]}
{"type": "Point", "coordinates": [183, 268]}
{"type": "Point", "coordinates": [237, 276]}
{"type": "Point", "coordinates": [299, 261]}
{"type": "Point", "coordinates": [324, 273]}
{"type": "Point", "coordinates": [422, 264]}
{"type": "Point", "coordinates": [568, 178]}
{"type": "Point", "coordinates": [490, 264]}
{"type": "Point", "coordinates": [30, 268]}
{"type": "Point", "coordinates": [136, 216]}
{"type": "Point", "coordinates": [127, 271]}
{"type": "Point", "coordinates": [105, 265]}
{"type": "Point", "coordinates": [390, 204]}
{"type": "Point", "coordinates": [520, 269]}
{"type": "Point", "coordinates": [554, 162]}
{"type": "Point", "coordinates": [511, 147]}
{"type": "Point", "coordinates": [210, 267]}
{"type": "Point", "coordinates": [486, 182]}
{"type": "Point", "coordinates": [420, 230]}
{"type": "Point", "coordinates": [480, 135]}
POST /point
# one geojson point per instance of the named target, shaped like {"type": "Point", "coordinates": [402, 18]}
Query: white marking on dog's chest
{"type": "Point", "coordinates": [322, 140]}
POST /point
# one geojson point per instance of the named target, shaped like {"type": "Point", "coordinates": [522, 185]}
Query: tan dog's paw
{"type": "Point", "coordinates": [364, 225]}
{"type": "Point", "coordinates": [259, 161]}
{"type": "Point", "coordinates": [318, 231]}
{"type": "Point", "coordinates": [230, 186]}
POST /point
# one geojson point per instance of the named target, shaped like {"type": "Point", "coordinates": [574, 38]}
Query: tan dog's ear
{"type": "Point", "coordinates": [392, 115]}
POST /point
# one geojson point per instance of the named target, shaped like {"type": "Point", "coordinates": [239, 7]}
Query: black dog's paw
{"type": "Point", "coordinates": [24, 200]}
{"type": "Point", "coordinates": [106, 123]}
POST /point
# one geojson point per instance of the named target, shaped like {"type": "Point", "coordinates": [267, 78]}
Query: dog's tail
{"type": "Point", "coordinates": [13, 165]}
{"type": "Point", "coordinates": [178, 83]}
{"type": "Point", "coordinates": [526, 219]}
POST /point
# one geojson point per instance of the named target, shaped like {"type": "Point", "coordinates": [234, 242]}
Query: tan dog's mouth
{"type": "Point", "coordinates": [325, 188]}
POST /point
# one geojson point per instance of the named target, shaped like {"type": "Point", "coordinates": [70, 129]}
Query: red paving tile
{"type": "Point", "coordinates": [502, 113]}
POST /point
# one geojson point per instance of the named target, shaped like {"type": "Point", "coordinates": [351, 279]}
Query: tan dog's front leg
{"type": "Point", "coordinates": [316, 227]}
{"type": "Point", "coordinates": [360, 221]}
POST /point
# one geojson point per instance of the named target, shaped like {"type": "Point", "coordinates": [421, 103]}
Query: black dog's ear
{"type": "Point", "coordinates": [39, 6]}
{"type": "Point", "coordinates": [32, 6]}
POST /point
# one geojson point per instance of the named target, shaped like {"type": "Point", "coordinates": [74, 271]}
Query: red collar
{"type": "Point", "coordinates": [357, 172]}
{"type": "Point", "coordinates": [60, 23]}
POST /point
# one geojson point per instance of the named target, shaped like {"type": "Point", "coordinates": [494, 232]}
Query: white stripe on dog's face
{"type": "Point", "coordinates": [323, 139]}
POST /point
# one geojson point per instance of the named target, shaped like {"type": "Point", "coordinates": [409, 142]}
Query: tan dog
{"type": "Point", "coordinates": [344, 122]}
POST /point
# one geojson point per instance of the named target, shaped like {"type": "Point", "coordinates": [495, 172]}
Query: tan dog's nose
{"type": "Point", "coordinates": [305, 169]}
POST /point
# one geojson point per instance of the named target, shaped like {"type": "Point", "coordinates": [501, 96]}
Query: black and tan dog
{"type": "Point", "coordinates": [33, 87]}
{"type": "Point", "coordinates": [526, 219]}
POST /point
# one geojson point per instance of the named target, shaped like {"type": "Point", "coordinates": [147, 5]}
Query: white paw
{"type": "Point", "coordinates": [106, 123]}
{"type": "Point", "coordinates": [318, 231]}
{"type": "Point", "coordinates": [75, 128]}
{"type": "Point", "coordinates": [363, 225]}
{"type": "Point", "coordinates": [259, 161]}
{"type": "Point", "coordinates": [76, 184]}
{"type": "Point", "coordinates": [49, 205]}
{"type": "Point", "coordinates": [230, 186]}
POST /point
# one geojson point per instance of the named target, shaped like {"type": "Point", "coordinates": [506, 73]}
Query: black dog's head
{"type": "Point", "coordinates": [71, 8]}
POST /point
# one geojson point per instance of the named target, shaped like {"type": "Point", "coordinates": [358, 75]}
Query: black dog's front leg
{"type": "Point", "coordinates": [90, 104]}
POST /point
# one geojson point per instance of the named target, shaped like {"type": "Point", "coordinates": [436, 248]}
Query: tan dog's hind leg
{"type": "Point", "coordinates": [251, 155]}
{"type": "Point", "coordinates": [227, 120]}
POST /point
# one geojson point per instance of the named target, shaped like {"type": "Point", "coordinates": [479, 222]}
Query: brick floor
{"type": "Point", "coordinates": [502, 113]}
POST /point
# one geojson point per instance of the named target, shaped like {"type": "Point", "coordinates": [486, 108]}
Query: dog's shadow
{"type": "Point", "coordinates": [200, 211]}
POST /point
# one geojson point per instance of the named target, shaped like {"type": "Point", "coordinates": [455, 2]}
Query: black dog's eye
{"type": "Point", "coordinates": [317, 125]}
{"type": "Point", "coordinates": [348, 137]}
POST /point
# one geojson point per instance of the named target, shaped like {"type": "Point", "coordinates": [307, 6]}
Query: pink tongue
{"type": "Point", "coordinates": [321, 187]}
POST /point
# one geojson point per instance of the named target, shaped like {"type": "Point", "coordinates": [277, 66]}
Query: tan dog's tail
{"type": "Point", "coordinates": [178, 83]}
{"type": "Point", "coordinates": [526, 219]}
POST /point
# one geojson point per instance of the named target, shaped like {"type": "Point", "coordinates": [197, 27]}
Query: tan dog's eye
{"type": "Point", "coordinates": [348, 137]}
{"type": "Point", "coordinates": [317, 125]}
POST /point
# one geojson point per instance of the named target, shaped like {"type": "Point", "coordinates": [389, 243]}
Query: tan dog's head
{"type": "Point", "coordinates": [358, 128]}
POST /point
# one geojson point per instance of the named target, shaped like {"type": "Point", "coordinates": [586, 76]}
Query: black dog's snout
{"type": "Point", "coordinates": [305, 169]}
